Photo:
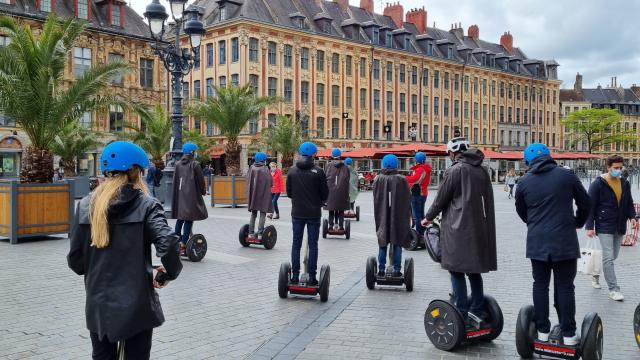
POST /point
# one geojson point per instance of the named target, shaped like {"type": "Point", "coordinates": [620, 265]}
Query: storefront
{"type": "Point", "coordinates": [10, 156]}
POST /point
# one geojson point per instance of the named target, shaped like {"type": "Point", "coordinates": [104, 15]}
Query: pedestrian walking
{"type": "Point", "coordinates": [353, 183]}
{"type": "Point", "coordinates": [207, 173]}
{"type": "Point", "coordinates": [151, 178]}
{"type": "Point", "coordinates": [510, 182]}
{"type": "Point", "coordinates": [276, 189]}
{"type": "Point", "coordinates": [468, 229]}
{"type": "Point", "coordinates": [612, 207]}
{"type": "Point", "coordinates": [259, 183]}
{"type": "Point", "coordinates": [338, 182]}
{"type": "Point", "coordinates": [544, 201]}
{"type": "Point", "coordinates": [110, 247]}
{"type": "Point", "coordinates": [419, 184]}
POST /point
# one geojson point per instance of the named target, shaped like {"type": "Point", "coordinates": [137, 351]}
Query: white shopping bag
{"type": "Point", "coordinates": [590, 262]}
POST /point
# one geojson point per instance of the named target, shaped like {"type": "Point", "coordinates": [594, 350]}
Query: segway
{"type": "Point", "coordinates": [353, 214]}
{"type": "Point", "coordinates": [372, 277]}
{"type": "Point", "coordinates": [636, 324]}
{"type": "Point", "coordinates": [527, 342]}
{"type": "Point", "coordinates": [267, 239]}
{"type": "Point", "coordinates": [286, 287]}
{"type": "Point", "coordinates": [432, 240]}
{"type": "Point", "coordinates": [326, 230]}
{"type": "Point", "coordinates": [416, 242]}
{"type": "Point", "coordinates": [196, 248]}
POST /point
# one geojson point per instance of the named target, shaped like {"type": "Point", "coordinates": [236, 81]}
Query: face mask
{"type": "Point", "coordinates": [615, 173]}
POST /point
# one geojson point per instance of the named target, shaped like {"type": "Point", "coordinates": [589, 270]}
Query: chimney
{"type": "Point", "coordinates": [506, 40]}
{"type": "Point", "coordinates": [636, 90]}
{"type": "Point", "coordinates": [474, 32]}
{"type": "Point", "coordinates": [367, 5]}
{"type": "Point", "coordinates": [577, 86]}
{"type": "Point", "coordinates": [418, 17]}
{"type": "Point", "coordinates": [457, 30]}
{"type": "Point", "coordinates": [344, 4]}
{"type": "Point", "coordinates": [396, 12]}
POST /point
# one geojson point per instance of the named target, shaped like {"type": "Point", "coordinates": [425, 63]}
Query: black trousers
{"type": "Point", "coordinates": [564, 295]}
{"type": "Point", "coordinates": [336, 217]}
{"type": "Point", "coordinates": [137, 347]}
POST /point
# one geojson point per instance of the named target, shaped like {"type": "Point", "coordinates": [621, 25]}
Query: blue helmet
{"type": "Point", "coordinates": [336, 153]}
{"type": "Point", "coordinates": [421, 157]}
{"type": "Point", "coordinates": [348, 161]}
{"type": "Point", "coordinates": [260, 157]}
{"type": "Point", "coordinates": [307, 149]}
{"type": "Point", "coordinates": [535, 150]}
{"type": "Point", "coordinates": [189, 148]}
{"type": "Point", "coordinates": [390, 162]}
{"type": "Point", "coordinates": [122, 156]}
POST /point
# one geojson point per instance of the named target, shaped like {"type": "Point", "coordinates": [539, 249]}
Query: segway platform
{"type": "Point", "coordinates": [447, 330]}
{"type": "Point", "coordinates": [269, 237]}
{"type": "Point", "coordinates": [372, 277]}
{"type": "Point", "coordinates": [326, 230]}
{"type": "Point", "coordinates": [527, 342]}
{"type": "Point", "coordinates": [196, 248]}
{"type": "Point", "coordinates": [353, 214]}
{"type": "Point", "coordinates": [286, 287]}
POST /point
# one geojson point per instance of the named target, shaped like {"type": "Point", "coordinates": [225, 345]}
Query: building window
{"type": "Point", "coordinates": [288, 90]}
{"type": "Point", "coordinates": [116, 118]}
{"type": "Point", "coordinates": [475, 135]}
{"type": "Point", "coordinates": [376, 129]}
{"type": "Point", "coordinates": [349, 97]}
{"type": "Point", "coordinates": [376, 99]}
{"type": "Point", "coordinates": [320, 60]}
{"type": "Point", "coordinates": [425, 77]}
{"type": "Point", "coordinates": [475, 85]}
{"type": "Point", "coordinates": [376, 69]}
{"type": "Point", "coordinates": [446, 81]}
{"type": "Point", "coordinates": [288, 56]}
{"type": "Point", "coordinates": [425, 105]}
{"type": "Point", "coordinates": [484, 87]}
{"type": "Point", "coordinates": [390, 133]}
{"type": "Point", "coordinates": [456, 108]}
{"type": "Point", "coordinates": [320, 94]}
{"type": "Point", "coordinates": [335, 96]}
{"type": "Point", "coordinates": [376, 36]}
{"type": "Point", "coordinates": [253, 50]}
{"type": "Point", "coordinates": [389, 71]}
{"type": "Point", "coordinates": [222, 81]}
{"type": "Point", "coordinates": [304, 92]}
{"type": "Point", "coordinates": [146, 73]}
{"type": "Point", "coordinates": [271, 53]}
{"type": "Point", "coordinates": [253, 126]}
{"type": "Point", "coordinates": [222, 52]}
{"type": "Point", "coordinates": [85, 120]}
{"type": "Point", "coordinates": [83, 9]}
{"type": "Point", "coordinates": [403, 105]}
{"type": "Point", "coordinates": [510, 114]}
{"type": "Point", "coordinates": [349, 130]}
{"type": "Point", "coordinates": [335, 63]}
{"type": "Point", "coordinates": [117, 79]}
{"type": "Point", "coordinates": [335, 128]}
{"type": "Point", "coordinates": [493, 113]}
{"type": "Point", "coordinates": [223, 13]}
{"type": "Point", "coordinates": [185, 91]}
{"type": "Point", "coordinates": [235, 80]}
{"type": "Point", "coordinates": [235, 50]}
{"type": "Point", "coordinates": [273, 86]}
{"type": "Point", "coordinates": [402, 73]}
{"type": "Point", "coordinates": [436, 79]}
{"type": "Point", "coordinates": [450, 52]}
{"type": "Point", "coordinates": [414, 75]}
{"type": "Point", "coordinates": [115, 15]}
{"type": "Point", "coordinates": [466, 110]}
{"type": "Point", "coordinates": [304, 58]}
{"type": "Point", "coordinates": [456, 82]}
{"type": "Point", "coordinates": [484, 136]}
{"type": "Point", "coordinates": [320, 127]}
{"type": "Point", "coordinates": [476, 111]}
{"type": "Point", "coordinates": [363, 129]}
{"type": "Point", "coordinates": [436, 133]}
{"type": "Point", "coordinates": [445, 133]}
{"type": "Point", "coordinates": [253, 80]}
{"type": "Point", "coordinates": [45, 5]}
{"type": "Point", "coordinates": [363, 98]}
{"type": "Point", "coordinates": [209, 129]}
{"type": "Point", "coordinates": [363, 67]}
{"type": "Point", "coordinates": [349, 65]}
{"type": "Point", "coordinates": [402, 129]}
{"type": "Point", "coordinates": [81, 61]}
{"type": "Point", "coordinates": [196, 89]}
{"type": "Point", "coordinates": [466, 85]}
{"type": "Point", "coordinates": [389, 101]}
{"type": "Point", "coordinates": [210, 90]}
{"type": "Point", "coordinates": [436, 105]}
{"type": "Point", "coordinates": [425, 133]}
{"type": "Point", "coordinates": [445, 105]}
{"type": "Point", "coordinates": [414, 104]}
{"type": "Point", "coordinates": [209, 55]}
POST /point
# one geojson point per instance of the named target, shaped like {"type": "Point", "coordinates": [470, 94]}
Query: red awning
{"type": "Point", "coordinates": [216, 154]}
{"type": "Point", "coordinates": [322, 153]}
{"type": "Point", "coordinates": [363, 153]}
{"type": "Point", "coordinates": [409, 149]}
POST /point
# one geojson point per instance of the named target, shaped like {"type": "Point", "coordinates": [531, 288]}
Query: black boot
{"type": "Point", "coordinates": [312, 281]}
{"type": "Point", "coordinates": [295, 278]}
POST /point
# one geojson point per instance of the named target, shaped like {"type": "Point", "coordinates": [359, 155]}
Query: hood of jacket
{"type": "Point", "coordinates": [472, 157]}
{"type": "Point", "coordinates": [542, 164]}
{"type": "Point", "coordinates": [305, 163]}
{"type": "Point", "coordinates": [121, 205]}
{"type": "Point", "coordinates": [259, 164]}
{"type": "Point", "coordinates": [337, 163]}
{"type": "Point", "coordinates": [186, 159]}
{"type": "Point", "coordinates": [389, 171]}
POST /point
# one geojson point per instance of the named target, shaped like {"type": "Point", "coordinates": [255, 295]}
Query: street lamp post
{"type": "Point", "coordinates": [179, 63]}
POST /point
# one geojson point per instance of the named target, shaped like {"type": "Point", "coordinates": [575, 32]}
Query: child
{"type": "Point", "coordinates": [338, 182]}
{"type": "Point", "coordinates": [259, 183]}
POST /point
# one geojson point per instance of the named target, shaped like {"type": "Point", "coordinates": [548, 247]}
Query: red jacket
{"type": "Point", "coordinates": [277, 187]}
{"type": "Point", "coordinates": [420, 171]}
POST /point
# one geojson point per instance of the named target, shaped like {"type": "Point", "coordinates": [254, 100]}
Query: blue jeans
{"type": "Point", "coordinates": [397, 258]}
{"type": "Point", "coordinates": [152, 189]}
{"type": "Point", "coordinates": [417, 208]}
{"type": "Point", "coordinates": [184, 236]}
{"type": "Point", "coordinates": [274, 201]}
{"type": "Point", "coordinates": [313, 232]}
{"type": "Point", "coordinates": [460, 297]}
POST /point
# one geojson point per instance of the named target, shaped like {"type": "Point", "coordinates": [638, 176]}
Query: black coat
{"type": "Point", "coordinates": [392, 209]}
{"type": "Point", "coordinates": [188, 190]}
{"type": "Point", "coordinates": [121, 300]}
{"type": "Point", "coordinates": [468, 227]}
{"type": "Point", "coordinates": [607, 216]}
{"type": "Point", "coordinates": [307, 189]}
{"type": "Point", "coordinates": [338, 181]}
{"type": "Point", "coordinates": [544, 201]}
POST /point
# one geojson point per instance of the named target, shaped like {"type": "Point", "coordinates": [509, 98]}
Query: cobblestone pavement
{"type": "Point", "coordinates": [227, 307]}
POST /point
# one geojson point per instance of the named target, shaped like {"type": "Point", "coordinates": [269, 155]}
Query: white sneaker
{"type": "Point", "coordinates": [616, 295]}
{"type": "Point", "coordinates": [595, 282]}
{"type": "Point", "coordinates": [571, 341]}
{"type": "Point", "coordinates": [543, 336]}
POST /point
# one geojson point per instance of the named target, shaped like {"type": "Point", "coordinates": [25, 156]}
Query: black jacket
{"type": "Point", "coordinates": [121, 300]}
{"type": "Point", "coordinates": [544, 201]}
{"type": "Point", "coordinates": [307, 188]}
{"type": "Point", "coordinates": [607, 216]}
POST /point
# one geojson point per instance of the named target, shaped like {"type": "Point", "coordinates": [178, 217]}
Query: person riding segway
{"type": "Point", "coordinates": [187, 205]}
{"type": "Point", "coordinates": [467, 248]}
{"type": "Point", "coordinates": [259, 183]}
{"type": "Point", "coordinates": [354, 211]}
{"type": "Point", "coordinates": [392, 213]}
{"type": "Point", "coordinates": [338, 200]}
{"type": "Point", "coordinates": [419, 184]}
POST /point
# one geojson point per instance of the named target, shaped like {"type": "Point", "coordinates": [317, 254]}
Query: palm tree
{"type": "Point", "coordinates": [195, 136]}
{"type": "Point", "coordinates": [154, 134]}
{"type": "Point", "coordinates": [283, 138]}
{"type": "Point", "coordinates": [73, 141]}
{"type": "Point", "coordinates": [32, 90]}
{"type": "Point", "coordinates": [230, 110]}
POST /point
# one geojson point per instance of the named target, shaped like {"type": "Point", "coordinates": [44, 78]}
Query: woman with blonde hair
{"type": "Point", "coordinates": [111, 246]}
{"type": "Point", "coordinates": [510, 181]}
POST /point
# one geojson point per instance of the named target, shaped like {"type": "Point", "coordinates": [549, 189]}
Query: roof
{"type": "Point", "coordinates": [610, 96]}
{"type": "Point", "coordinates": [134, 25]}
{"type": "Point", "coordinates": [571, 96]}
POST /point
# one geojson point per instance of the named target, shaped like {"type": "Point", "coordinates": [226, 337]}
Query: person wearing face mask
{"type": "Point", "coordinates": [612, 208]}
{"type": "Point", "coordinates": [276, 189]}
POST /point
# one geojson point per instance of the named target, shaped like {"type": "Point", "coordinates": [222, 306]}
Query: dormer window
{"type": "Point", "coordinates": [517, 67]}
{"type": "Point", "coordinates": [326, 27]}
{"type": "Point", "coordinates": [376, 36]}
{"type": "Point", "coordinates": [389, 39]}
{"type": "Point", "coordinates": [115, 15]}
{"type": "Point", "coordinates": [430, 48]}
{"type": "Point", "coordinates": [223, 13]}
{"type": "Point", "coordinates": [301, 23]}
{"type": "Point", "coordinates": [449, 52]}
{"type": "Point", "coordinates": [483, 60]}
{"type": "Point", "coordinates": [407, 43]}
{"type": "Point", "coordinates": [45, 5]}
{"type": "Point", "coordinates": [83, 9]}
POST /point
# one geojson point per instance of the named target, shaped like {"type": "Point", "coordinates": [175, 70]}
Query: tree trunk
{"type": "Point", "coordinates": [69, 168]}
{"type": "Point", "coordinates": [287, 162]}
{"type": "Point", "coordinates": [232, 161]}
{"type": "Point", "coordinates": [37, 166]}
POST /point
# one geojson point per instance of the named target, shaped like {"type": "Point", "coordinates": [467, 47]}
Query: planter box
{"type": "Point", "coordinates": [29, 210]}
{"type": "Point", "coordinates": [228, 190]}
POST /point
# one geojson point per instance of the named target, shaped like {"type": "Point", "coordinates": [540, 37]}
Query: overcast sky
{"type": "Point", "coordinates": [598, 38]}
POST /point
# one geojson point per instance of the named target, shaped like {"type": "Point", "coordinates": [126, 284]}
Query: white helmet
{"type": "Point", "coordinates": [457, 144]}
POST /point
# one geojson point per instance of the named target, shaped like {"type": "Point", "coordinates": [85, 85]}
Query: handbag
{"type": "Point", "coordinates": [506, 188]}
{"type": "Point", "coordinates": [432, 240]}
{"type": "Point", "coordinates": [590, 262]}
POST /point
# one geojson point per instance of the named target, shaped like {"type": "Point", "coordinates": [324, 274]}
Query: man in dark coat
{"type": "Point", "coordinates": [188, 190]}
{"type": "Point", "coordinates": [259, 182]}
{"type": "Point", "coordinates": [544, 201]}
{"type": "Point", "coordinates": [307, 189]}
{"type": "Point", "coordinates": [468, 229]}
{"type": "Point", "coordinates": [392, 211]}
{"type": "Point", "coordinates": [338, 182]}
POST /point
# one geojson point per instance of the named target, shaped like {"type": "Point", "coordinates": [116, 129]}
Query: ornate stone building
{"type": "Point", "coordinates": [115, 31]}
{"type": "Point", "coordinates": [355, 78]}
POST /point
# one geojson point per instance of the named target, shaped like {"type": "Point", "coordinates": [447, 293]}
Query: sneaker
{"type": "Point", "coordinates": [312, 281]}
{"type": "Point", "coordinates": [543, 336]}
{"type": "Point", "coordinates": [381, 273]}
{"type": "Point", "coordinates": [595, 282]}
{"type": "Point", "coordinates": [571, 341]}
{"type": "Point", "coordinates": [251, 237]}
{"type": "Point", "coordinates": [276, 217]}
{"type": "Point", "coordinates": [616, 295]}
{"type": "Point", "coordinates": [295, 278]}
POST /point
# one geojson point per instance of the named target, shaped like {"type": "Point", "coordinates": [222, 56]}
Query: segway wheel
{"type": "Point", "coordinates": [414, 244]}
{"type": "Point", "coordinates": [196, 247]}
{"type": "Point", "coordinates": [497, 319]}
{"type": "Point", "coordinates": [325, 228]}
{"type": "Point", "coordinates": [372, 266]}
{"type": "Point", "coordinates": [408, 274]}
{"type": "Point", "coordinates": [283, 280]}
{"type": "Point", "coordinates": [325, 280]}
{"type": "Point", "coordinates": [242, 235]}
{"type": "Point", "coordinates": [592, 337]}
{"type": "Point", "coordinates": [347, 229]}
{"type": "Point", "coordinates": [269, 237]}
{"type": "Point", "coordinates": [444, 325]}
{"type": "Point", "coordinates": [525, 328]}
{"type": "Point", "coordinates": [636, 324]}
{"type": "Point", "coordinates": [357, 213]}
